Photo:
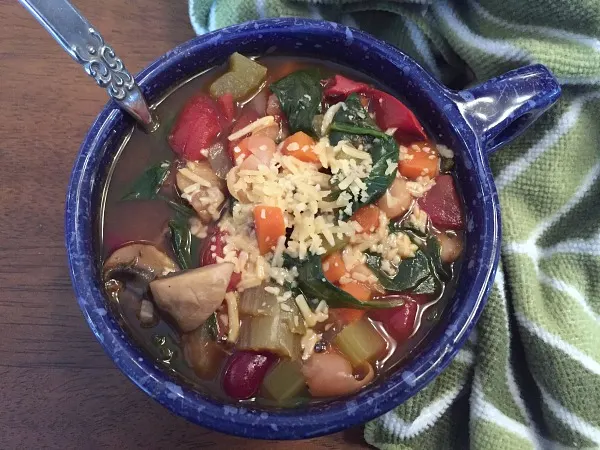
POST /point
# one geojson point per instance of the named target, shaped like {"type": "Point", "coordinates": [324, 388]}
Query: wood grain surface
{"type": "Point", "coordinates": [57, 387]}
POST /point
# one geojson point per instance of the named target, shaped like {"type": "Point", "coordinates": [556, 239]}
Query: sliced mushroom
{"type": "Point", "coordinates": [191, 296]}
{"type": "Point", "coordinates": [200, 186]}
{"type": "Point", "coordinates": [330, 374]}
{"type": "Point", "coordinates": [127, 274]}
{"type": "Point", "coordinates": [144, 256]}
{"type": "Point", "coordinates": [137, 265]}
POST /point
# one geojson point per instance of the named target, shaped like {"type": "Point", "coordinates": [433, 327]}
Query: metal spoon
{"type": "Point", "coordinates": [86, 46]}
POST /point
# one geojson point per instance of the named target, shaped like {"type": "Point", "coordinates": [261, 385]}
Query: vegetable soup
{"type": "Point", "coordinates": [289, 234]}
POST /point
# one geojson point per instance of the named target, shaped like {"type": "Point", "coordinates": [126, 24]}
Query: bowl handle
{"type": "Point", "coordinates": [502, 108]}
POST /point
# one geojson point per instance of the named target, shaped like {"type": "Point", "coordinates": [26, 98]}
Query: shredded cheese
{"type": "Point", "coordinates": [420, 186]}
{"type": "Point", "coordinates": [233, 316]}
{"type": "Point", "coordinates": [192, 176]}
{"type": "Point", "coordinates": [328, 117]}
{"type": "Point", "coordinates": [445, 151]}
{"type": "Point", "coordinates": [418, 219]}
{"type": "Point", "coordinates": [259, 124]}
{"type": "Point", "coordinates": [308, 342]}
{"type": "Point", "coordinates": [311, 319]}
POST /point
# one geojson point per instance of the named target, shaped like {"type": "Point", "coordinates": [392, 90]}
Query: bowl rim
{"type": "Point", "coordinates": [243, 420]}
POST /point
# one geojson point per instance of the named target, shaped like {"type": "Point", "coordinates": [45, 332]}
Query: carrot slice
{"type": "Point", "coordinates": [420, 160]}
{"type": "Point", "coordinates": [358, 290]}
{"type": "Point", "coordinates": [334, 267]}
{"type": "Point", "coordinates": [346, 315]}
{"type": "Point", "coordinates": [367, 217]}
{"type": "Point", "coordinates": [300, 145]}
{"type": "Point", "coordinates": [270, 226]}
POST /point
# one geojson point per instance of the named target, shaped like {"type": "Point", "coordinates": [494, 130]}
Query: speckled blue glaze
{"type": "Point", "coordinates": [472, 122]}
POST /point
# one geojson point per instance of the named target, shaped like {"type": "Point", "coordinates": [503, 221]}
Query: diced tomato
{"type": "Point", "coordinates": [442, 204]}
{"type": "Point", "coordinates": [196, 128]}
{"type": "Point", "coordinates": [340, 86]}
{"type": "Point", "coordinates": [245, 119]}
{"type": "Point", "coordinates": [399, 322]}
{"type": "Point", "coordinates": [213, 247]}
{"type": "Point", "coordinates": [227, 106]}
{"type": "Point", "coordinates": [391, 113]}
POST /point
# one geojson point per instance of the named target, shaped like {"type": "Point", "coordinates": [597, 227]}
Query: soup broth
{"type": "Point", "coordinates": [226, 264]}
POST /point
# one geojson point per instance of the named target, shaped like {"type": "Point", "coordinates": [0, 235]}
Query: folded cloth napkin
{"type": "Point", "coordinates": [529, 377]}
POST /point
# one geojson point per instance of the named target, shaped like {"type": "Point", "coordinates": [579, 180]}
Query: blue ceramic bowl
{"type": "Point", "coordinates": [472, 123]}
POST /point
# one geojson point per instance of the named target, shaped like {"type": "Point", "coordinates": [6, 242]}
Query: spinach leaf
{"type": "Point", "coordinates": [415, 235]}
{"type": "Point", "coordinates": [212, 327]}
{"type": "Point", "coordinates": [312, 283]}
{"type": "Point", "coordinates": [300, 95]}
{"type": "Point", "coordinates": [353, 129]}
{"type": "Point", "coordinates": [195, 250]}
{"type": "Point", "coordinates": [422, 274]}
{"type": "Point", "coordinates": [434, 250]}
{"type": "Point", "coordinates": [290, 261]}
{"type": "Point", "coordinates": [355, 114]}
{"type": "Point", "coordinates": [429, 285]}
{"type": "Point", "coordinates": [178, 207]}
{"type": "Point", "coordinates": [146, 187]}
{"type": "Point", "coordinates": [186, 248]}
{"type": "Point", "coordinates": [377, 182]}
{"type": "Point", "coordinates": [181, 241]}
{"type": "Point", "coordinates": [383, 153]}
{"type": "Point", "coordinates": [355, 125]}
{"type": "Point", "coordinates": [411, 272]}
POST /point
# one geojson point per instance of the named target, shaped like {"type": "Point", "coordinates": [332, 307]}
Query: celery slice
{"type": "Point", "coordinates": [269, 333]}
{"type": "Point", "coordinates": [284, 382]}
{"type": "Point", "coordinates": [257, 302]}
{"type": "Point", "coordinates": [243, 77]}
{"type": "Point", "coordinates": [360, 342]}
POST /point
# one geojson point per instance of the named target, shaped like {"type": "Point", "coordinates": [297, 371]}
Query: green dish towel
{"type": "Point", "coordinates": [529, 377]}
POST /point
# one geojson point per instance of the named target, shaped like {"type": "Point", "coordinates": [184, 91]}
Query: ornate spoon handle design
{"type": "Point", "coordinates": [86, 46]}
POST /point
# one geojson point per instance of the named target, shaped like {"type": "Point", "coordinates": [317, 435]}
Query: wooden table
{"type": "Point", "coordinates": [57, 387]}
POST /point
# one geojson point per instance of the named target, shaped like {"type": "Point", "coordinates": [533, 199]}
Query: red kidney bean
{"type": "Point", "coordinates": [244, 373]}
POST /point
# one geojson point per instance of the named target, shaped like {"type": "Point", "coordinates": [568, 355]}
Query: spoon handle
{"type": "Point", "coordinates": [86, 46]}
